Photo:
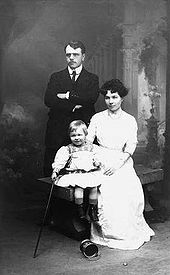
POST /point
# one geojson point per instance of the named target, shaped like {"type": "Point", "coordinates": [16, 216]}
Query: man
{"type": "Point", "coordinates": [70, 95]}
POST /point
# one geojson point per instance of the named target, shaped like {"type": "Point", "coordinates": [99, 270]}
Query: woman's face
{"type": "Point", "coordinates": [78, 137]}
{"type": "Point", "coordinates": [113, 101]}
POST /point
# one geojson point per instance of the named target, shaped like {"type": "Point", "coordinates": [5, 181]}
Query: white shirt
{"type": "Point", "coordinates": [77, 70]}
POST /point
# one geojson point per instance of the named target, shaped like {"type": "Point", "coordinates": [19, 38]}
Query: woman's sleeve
{"type": "Point", "coordinates": [92, 129]}
{"type": "Point", "coordinates": [131, 142]}
{"type": "Point", "coordinates": [60, 159]}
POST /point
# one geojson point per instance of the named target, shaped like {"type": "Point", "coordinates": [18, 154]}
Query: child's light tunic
{"type": "Point", "coordinates": [81, 167]}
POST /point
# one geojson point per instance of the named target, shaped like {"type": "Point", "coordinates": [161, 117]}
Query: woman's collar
{"type": "Point", "coordinates": [115, 115]}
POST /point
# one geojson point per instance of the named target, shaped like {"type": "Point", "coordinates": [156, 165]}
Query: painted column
{"type": "Point", "coordinates": [102, 66]}
{"type": "Point", "coordinates": [109, 58]}
{"type": "Point", "coordinates": [130, 74]}
{"type": "Point", "coordinates": [130, 58]}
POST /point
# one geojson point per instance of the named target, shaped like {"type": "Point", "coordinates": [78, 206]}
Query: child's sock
{"type": "Point", "coordinates": [93, 201]}
{"type": "Point", "coordinates": [78, 201]}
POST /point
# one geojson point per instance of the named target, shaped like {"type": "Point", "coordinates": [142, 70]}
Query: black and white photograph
{"type": "Point", "coordinates": [84, 137]}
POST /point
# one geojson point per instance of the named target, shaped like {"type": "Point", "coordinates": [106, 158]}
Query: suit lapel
{"type": "Point", "coordinates": [65, 79]}
{"type": "Point", "coordinates": [66, 75]}
{"type": "Point", "coordinates": [82, 77]}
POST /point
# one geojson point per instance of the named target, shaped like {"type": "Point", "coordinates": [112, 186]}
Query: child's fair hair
{"type": "Point", "coordinates": [74, 125]}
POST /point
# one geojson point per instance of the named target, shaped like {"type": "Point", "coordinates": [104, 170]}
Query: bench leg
{"type": "Point", "coordinates": [158, 214]}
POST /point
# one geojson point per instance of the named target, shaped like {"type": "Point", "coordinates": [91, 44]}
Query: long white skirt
{"type": "Point", "coordinates": [120, 206]}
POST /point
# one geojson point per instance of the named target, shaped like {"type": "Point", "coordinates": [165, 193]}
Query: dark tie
{"type": "Point", "coordinates": [73, 77]}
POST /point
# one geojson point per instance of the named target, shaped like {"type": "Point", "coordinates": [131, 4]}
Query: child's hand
{"type": "Point", "coordinates": [54, 176]}
{"type": "Point", "coordinates": [96, 163]}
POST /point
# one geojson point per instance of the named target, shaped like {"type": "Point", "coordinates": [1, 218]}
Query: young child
{"type": "Point", "coordinates": [79, 167]}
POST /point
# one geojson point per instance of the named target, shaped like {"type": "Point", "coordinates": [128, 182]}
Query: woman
{"type": "Point", "coordinates": [121, 200]}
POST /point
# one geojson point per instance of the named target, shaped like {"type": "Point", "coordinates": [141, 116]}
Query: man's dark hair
{"type": "Point", "coordinates": [75, 45]}
{"type": "Point", "coordinates": [115, 86]}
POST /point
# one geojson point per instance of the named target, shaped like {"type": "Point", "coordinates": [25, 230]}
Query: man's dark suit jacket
{"type": "Point", "coordinates": [84, 92]}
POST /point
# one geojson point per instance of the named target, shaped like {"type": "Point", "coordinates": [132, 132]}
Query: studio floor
{"type": "Point", "coordinates": [58, 254]}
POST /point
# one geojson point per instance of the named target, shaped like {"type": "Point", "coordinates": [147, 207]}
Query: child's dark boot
{"type": "Point", "coordinates": [93, 212]}
{"type": "Point", "coordinates": [80, 211]}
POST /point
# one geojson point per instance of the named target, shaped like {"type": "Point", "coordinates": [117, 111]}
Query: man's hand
{"type": "Point", "coordinates": [63, 96]}
{"type": "Point", "coordinates": [76, 107]}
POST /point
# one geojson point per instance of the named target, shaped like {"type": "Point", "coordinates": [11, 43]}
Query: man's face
{"type": "Point", "coordinates": [74, 57]}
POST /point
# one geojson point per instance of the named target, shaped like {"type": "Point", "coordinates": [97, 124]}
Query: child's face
{"type": "Point", "coordinates": [78, 137]}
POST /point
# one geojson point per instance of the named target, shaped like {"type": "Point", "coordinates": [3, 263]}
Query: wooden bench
{"type": "Point", "coordinates": [146, 175]}
{"type": "Point", "coordinates": [62, 210]}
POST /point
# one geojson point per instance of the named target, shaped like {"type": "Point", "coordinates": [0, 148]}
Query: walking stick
{"type": "Point", "coordinates": [44, 218]}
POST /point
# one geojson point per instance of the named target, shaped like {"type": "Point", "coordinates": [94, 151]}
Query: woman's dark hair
{"type": "Point", "coordinates": [115, 86]}
{"type": "Point", "coordinates": [75, 45]}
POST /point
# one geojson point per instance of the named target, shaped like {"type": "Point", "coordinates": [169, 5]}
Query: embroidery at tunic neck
{"type": "Point", "coordinates": [115, 116]}
{"type": "Point", "coordinates": [88, 146]}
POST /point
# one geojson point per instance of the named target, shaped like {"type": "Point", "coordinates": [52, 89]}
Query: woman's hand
{"type": "Point", "coordinates": [108, 171]}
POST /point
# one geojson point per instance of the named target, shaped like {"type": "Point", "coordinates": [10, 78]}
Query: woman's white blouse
{"type": "Point", "coordinates": [114, 132]}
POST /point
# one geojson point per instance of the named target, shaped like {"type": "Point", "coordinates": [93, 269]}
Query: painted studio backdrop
{"type": "Point", "coordinates": [124, 39]}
